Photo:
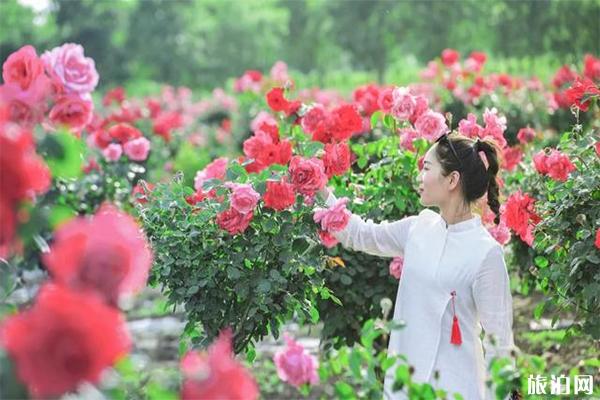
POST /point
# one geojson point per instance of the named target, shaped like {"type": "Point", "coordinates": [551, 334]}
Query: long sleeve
{"type": "Point", "coordinates": [386, 239]}
{"type": "Point", "coordinates": [491, 291]}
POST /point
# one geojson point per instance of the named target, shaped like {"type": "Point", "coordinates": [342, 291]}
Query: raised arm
{"type": "Point", "coordinates": [386, 239]}
{"type": "Point", "coordinates": [491, 291]}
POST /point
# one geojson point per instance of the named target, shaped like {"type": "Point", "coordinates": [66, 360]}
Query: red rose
{"type": "Point", "coordinates": [165, 123]}
{"type": "Point", "coordinates": [345, 121]}
{"type": "Point", "coordinates": [279, 195]}
{"type": "Point", "coordinates": [597, 241]}
{"type": "Point", "coordinates": [106, 253]}
{"type": "Point", "coordinates": [450, 57]}
{"type": "Point", "coordinates": [336, 159]}
{"type": "Point", "coordinates": [22, 172]}
{"type": "Point", "coordinates": [276, 100]}
{"type": "Point", "coordinates": [563, 76]}
{"type": "Point", "coordinates": [307, 175]}
{"type": "Point", "coordinates": [591, 67]}
{"type": "Point", "coordinates": [233, 221]}
{"type": "Point", "coordinates": [519, 215]}
{"type": "Point", "coordinates": [582, 88]}
{"type": "Point", "coordinates": [116, 95]}
{"type": "Point", "coordinates": [22, 67]}
{"type": "Point", "coordinates": [72, 111]}
{"type": "Point", "coordinates": [124, 132]}
{"type": "Point", "coordinates": [559, 166]}
{"type": "Point", "coordinates": [511, 157]}
{"type": "Point", "coordinates": [65, 339]}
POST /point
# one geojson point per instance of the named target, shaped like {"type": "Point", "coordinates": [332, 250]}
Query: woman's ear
{"type": "Point", "coordinates": [454, 179]}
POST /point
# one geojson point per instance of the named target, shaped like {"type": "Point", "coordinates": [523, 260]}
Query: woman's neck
{"type": "Point", "coordinates": [452, 218]}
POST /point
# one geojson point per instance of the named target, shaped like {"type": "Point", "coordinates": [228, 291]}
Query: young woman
{"type": "Point", "coordinates": [454, 280]}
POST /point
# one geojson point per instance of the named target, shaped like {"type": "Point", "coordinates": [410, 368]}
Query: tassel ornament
{"type": "Point", "coordinates": [456, 337]}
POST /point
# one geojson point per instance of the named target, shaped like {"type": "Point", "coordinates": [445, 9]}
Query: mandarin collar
{"type": "Point", "coordinates": [460, 226]}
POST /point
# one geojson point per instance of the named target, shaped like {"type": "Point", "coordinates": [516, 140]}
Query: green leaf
{"type": "Point", "coordinates": [264, 286]}
{"type": "Point", "coordinates": [233, 273]}
{"type": "Point", "coordinates": [314, 315]}
{"type": "Point", "coordinates": [541, 261]}
{"type": "Point", "coordinates": [299, 246]}
{"type": "Point", "coordinates": [344, 390]}
{"type": "Point", "coordinates": [60, 214]}
{"type": "Point", "coordinates": [64, 154]}
{"type": "Point", "coordinates": [346, 280]}
{"type": "Point", "coordinates": [375, 117]}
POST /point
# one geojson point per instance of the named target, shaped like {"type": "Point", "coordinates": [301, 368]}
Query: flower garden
{"type": "Point", "coordinates": [204, 209]}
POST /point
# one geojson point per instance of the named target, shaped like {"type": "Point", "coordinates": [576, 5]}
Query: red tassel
{"type": "Point", "coordinates": [456, 337]}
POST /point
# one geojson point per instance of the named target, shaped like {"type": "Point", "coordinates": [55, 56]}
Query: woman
{"type": "Point", "coordinates": [454, 280]}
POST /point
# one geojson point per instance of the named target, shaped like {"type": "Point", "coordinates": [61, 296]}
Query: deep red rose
{"type": "Point", "coordinates": [336, 159]}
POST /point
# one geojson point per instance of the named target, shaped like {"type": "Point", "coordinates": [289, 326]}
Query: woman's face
{"type": "Point", "coordinates": [434, 188]}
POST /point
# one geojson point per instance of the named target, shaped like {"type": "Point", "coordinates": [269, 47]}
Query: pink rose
{"type": "Point", "coordinates": [113, 152]}
{"type": "Point", "coordinates": [22, 67]}
{"type": "Point", "coordinates": [279, 72]}
{"type": "Point", "coordinates": [137, 149]}
{"type": "Point", "coordinates": [386, 100]}
{"type": "Point", "coordinates": [307, 175]}
{"type": "Point", "coordinates": [469, 127]}
{"type": "Point", "coordinates": [407, 135]}
{"type": "Point", "coordinates": [421, 105]}
{"type": "Point", "coordinates": [559, 166]}
{"type": "Point", "coordinates": [597, 147]}
{"type": "Point", "coordinates": [500, 232]}
{"type": "Point", "coordinates": [431, 125]}
{"type": "Point", "coordinates": [526, 135]}
{"type": "Point", "coordinates": [404, 103]}
{"type": "Point", "coordinates": [396, 267]}
{"type": "Point", "coordinates": [243, 198]}
{"type": "Point", "coordinates": [511, 158]}
{"type": "Point", "coordinates": [295, 365]}
{"type": "Point", "coordinates": [214, 170]}
{"type": "Point", "coordinates": [71, 111]}
{"type": "Point", "coordinates": [25, 108]}
{"type": "Point", "coordinates": [539, 162]}
{"type": "Point", "coordinates": [495, 125]}
{"type": "Point", "coordinates": [69, 67]}
{"type": "Point", "coordinates": [335, 218]}
{"type": "Point", "coordinates": [262, 117]}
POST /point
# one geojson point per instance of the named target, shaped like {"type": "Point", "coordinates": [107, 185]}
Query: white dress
{"type": "Point", "coordinates": [438, 259]}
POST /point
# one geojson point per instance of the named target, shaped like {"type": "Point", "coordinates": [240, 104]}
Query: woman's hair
{"type": "Point", "coordinates": [475, 180]}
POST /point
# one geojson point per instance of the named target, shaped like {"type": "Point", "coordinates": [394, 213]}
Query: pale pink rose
{"type": "Point", "coordinates": [386, 100]}
{"type": "Point", "coordinates": [75, 72]}
{"type": "Point", "coordinates": [243, 197]}
{"type": "Point", "coordinates": [431, 125]}
{"type": "Point", "coordinates": [335, 218]}
{"type": "Point", "coordinates": [295, 365]}
{"type": "Point", "coordinates": [559, 166]}
{"type": "Point", "coordinates": [262, 117]}
{"type": "Point", "coordinates": [279, 72]}
{"type": "Point", "coordinates": [407, 135]}
{"type": "Point", "coordinates": [500, 232]}
{"type": "Point", "coordinates": [137, 149]}
{"type": "Point", "coordinates": [469, 127]}
{"type": "Point", "coordinates": [403, 103]}
{"type": "Point", "coordinates": [431, 71]}
{"type": "Point", "coordinates": [113, 152]}
{"type": "Point", "coordinates": [327, 239]}
{"type": "Point", "coordinates": [396, 267]}
{"type": "Point", "coordinates": [214, 170]}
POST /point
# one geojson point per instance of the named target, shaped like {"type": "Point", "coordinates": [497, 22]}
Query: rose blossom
{"type": "Point", "coordinates": [137, 149]}
{"type": "Point", "coordinates": [396, 267]}
{"type": "Point", "coordinates": [295, 365]}
{"type": "Point", "coordinates": [307, 175]}
{"type": "Point", "coordinates": [22, 67]}
{"type": "Point", "coordinates": [243, 197]}
{"type": "Point", "coordinates": [68, 66]}
{"type": "Point", "coordinates": [431, 125]}
{"type": "Point", "coordinates": [113, 152]}
{"type": "Point", "coordinates": [335, 218]}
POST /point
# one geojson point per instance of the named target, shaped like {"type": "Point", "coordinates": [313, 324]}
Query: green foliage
{"type": "Point", "coordinates": [252, 282]}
